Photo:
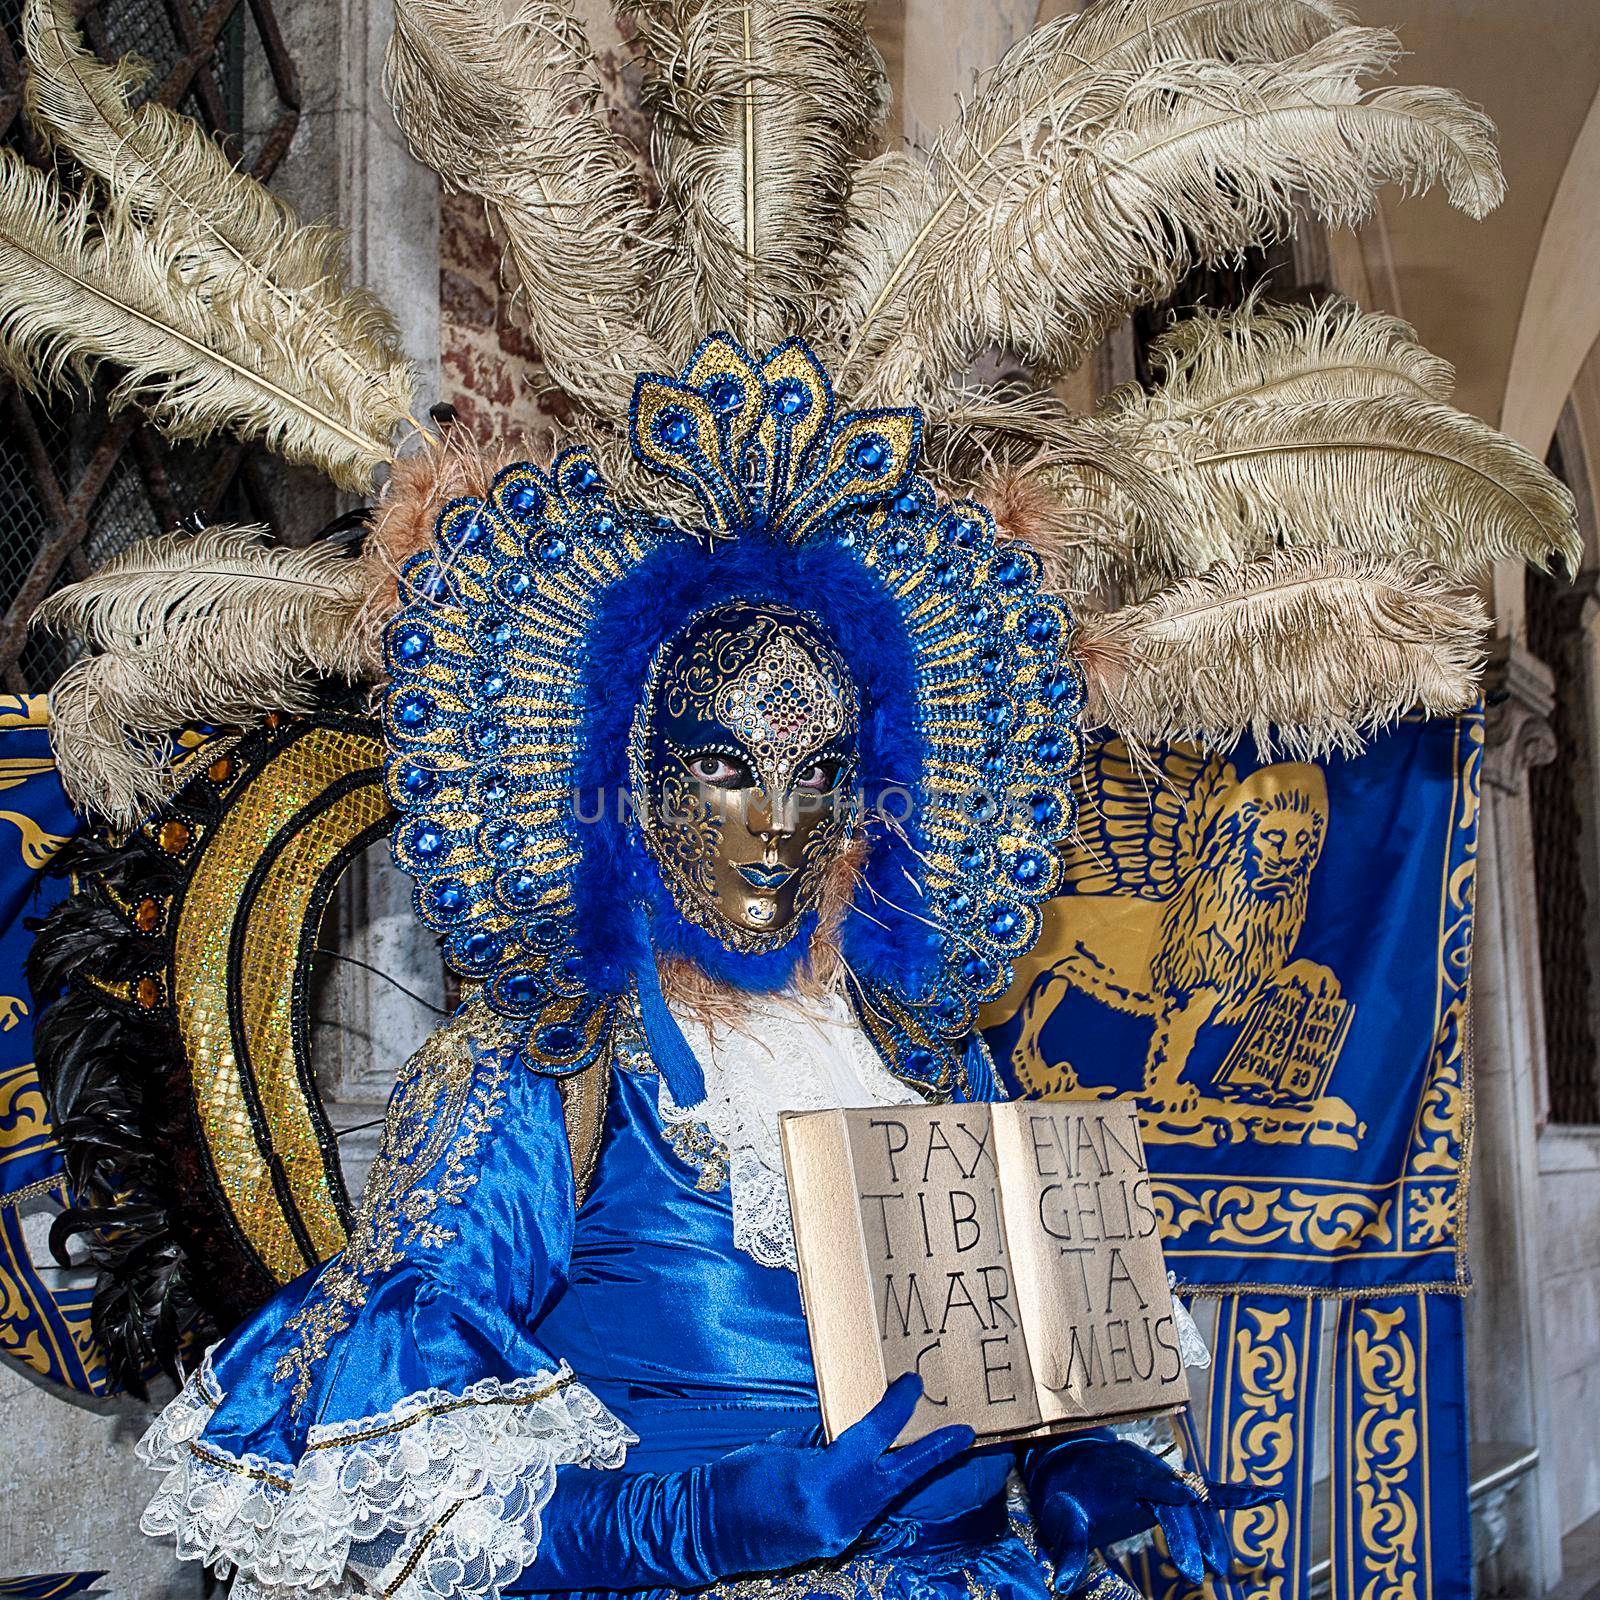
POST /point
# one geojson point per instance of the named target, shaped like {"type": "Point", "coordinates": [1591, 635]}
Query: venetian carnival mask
{"type": "Point", "coordinates": [743, 767]}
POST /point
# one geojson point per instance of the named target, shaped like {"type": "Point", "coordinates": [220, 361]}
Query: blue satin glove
{"type": "Point", "coordinates": [1094, 1489]}
{"type": "Point", "coordinates": [970, 1482]}
{"type": "Point", "coordinates": [788, 1500]}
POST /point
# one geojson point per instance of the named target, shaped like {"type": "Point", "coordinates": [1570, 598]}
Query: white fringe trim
{"type": "Point", "coordinates": [438, 1497]}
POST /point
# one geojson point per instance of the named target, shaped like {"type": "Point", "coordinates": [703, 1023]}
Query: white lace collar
{"type": "Point", "coordinates": [786, 1054]}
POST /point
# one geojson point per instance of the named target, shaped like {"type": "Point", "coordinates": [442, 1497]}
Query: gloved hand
{"type": "Point", "coordinates": [972, 1480]}
{"type": "Point", "coordinates": [1093, 1489]}
{"type": "Point", "coordinates": [772, 1505]}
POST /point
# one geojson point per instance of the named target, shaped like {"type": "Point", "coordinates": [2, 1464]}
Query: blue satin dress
{"type": "Point", "coordinates": [398, 1416]}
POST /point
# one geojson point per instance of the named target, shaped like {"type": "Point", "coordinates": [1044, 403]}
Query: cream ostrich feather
{"type": "Point", "coordinates": [760, 111]}
{"type": "Point", "coordinates": [1066, 222]}
{"type": "Point", "coordinates": [1326, 427]}
{"type": "Point", "coordinates": [244, 245]}
{"type": "Point", "coordinates": [507, 112]}
{"type": "Point", "coordinates": [1309, 651]}
{"type": "Point", "coordinates": [215, 627]}
{"type": "Point", "coordinates": [82, 289]}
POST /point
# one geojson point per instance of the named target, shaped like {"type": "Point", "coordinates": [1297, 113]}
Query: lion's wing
{"type": "Point", "coordinates": [1141, 819]}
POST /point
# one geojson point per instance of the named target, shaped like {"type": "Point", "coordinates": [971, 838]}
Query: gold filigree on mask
{"type": "Point", "coordinates": [743, 754]}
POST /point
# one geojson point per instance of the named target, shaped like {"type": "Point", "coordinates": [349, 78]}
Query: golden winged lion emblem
{"type": "Point", "coordinates": [1187, 898]}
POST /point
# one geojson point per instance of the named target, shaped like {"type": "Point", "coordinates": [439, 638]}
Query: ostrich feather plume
{"type": "Point", "coordinates": [1049, 215]}
{"type": "Point", "coordinates": [1280, 354]}
{"type": "Point", "coordinates": [760, 110]}
{"type": "Point", "coordinates": [83, 289]}
{"type": "Point", "coordinates": [507, 112]}
{"type": "Point", "coordinates": [1310, 651]}
{"type": "Point", "coordinates": [1378, 475]}
{"type": "Point", "coordinates": [244, 246]}
{"type": "Point", "coordinates": [212, 627]}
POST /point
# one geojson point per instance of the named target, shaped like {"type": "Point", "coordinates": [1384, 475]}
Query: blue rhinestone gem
{"type": "Point", "coordinates": [907, 504]}
{"type": "Point", "coordinates": [450, 898]}
{"type": "Point", "coordinates": [789, 398]}
{"type": "Point", "coordinates": [501, 838]}
{"type": "Point", "coordinates": [1028, 868]}
{"type": "Point", "coordinates": [491, 685]}
{"type": "Point", "coordinates": [981, 806]}
{"type": "Point", "coordinates": [1013, 571]}
{"type": "Point", "coordinates": [995, 710]}
{"type": "Point", "coordinates": [412, 644]}
{"type": "Point", "coordinates": [725, 394]}
{"type": "Point", "coordinates": [922, 1064]}
{"type": "Point", "coordinates": [497, 631]}
{"type": "Point", "coordinates": [1050, 749]}
{"type": "Point", "coordinates": [494, 787]}
{"type": "Point", "coordinates": [426, 841]}
{"type": "Point", "coordinates": [513, 585]}
{"type": "Point", "coordinates": [480, 947]}
{"type": "Point", "coordinates": [605, 525]}
{"type": "Point", "coordinates": [488, 735]}
{"type": "Point", "coordinates": [413, 709]}
{"type": "Point", "coordinates": [519, 988]}
{"type": "Point", "coordinates": [942, 569]}
{"type": "Point", "coordinates": [978, 972]}
{"type": "Point", "coordinates": [1041, 626]}
{"type": "Point", "coordinates": [965, 532]}
{"type": "Point", "coordinates": [475, 535]}
{"type": "Point", "coordinates": [1004, 923]}
{"type": "Point", "coordinates": [552, 548]}
{"type": "Point", "coordinates": [979, 615]}
{"type": "Point", "coordinates": [870, 456]}
{"type": "Point", "coordinates": [1059, 688]}
{"type": "Point", "coordinates": [674, 428]}
{"type": "Point", "coordinates": [900, 547]}
{"type": "Point", "coordinates": [559, 1039]}
{"type": "Point", "coordinates": [970, 856]}
{"type": "Point", "coordinates": [416, 782]}
{"type": "Point", "coordinates": [519, 886]}
{"type": "Point", "coordinates": [525, 500]}
{"type": "Point", "coordinates": [546, 933]}
{"type": "Point", "coordinates": [581, 477]}
{"type": "Point", "coordinates": [1045, 809]}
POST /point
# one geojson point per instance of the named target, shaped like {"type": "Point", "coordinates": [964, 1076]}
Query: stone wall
{"type": "Point", "coordinates": [1569, 1193]}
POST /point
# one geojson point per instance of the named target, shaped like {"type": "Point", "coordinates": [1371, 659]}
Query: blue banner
{"type": "Point", "coordinates": [44, 1309]}
{"type": "Point", "coordinates": [1401, 1522]}
{"type": "Point", "coordinates": [1272, 958]}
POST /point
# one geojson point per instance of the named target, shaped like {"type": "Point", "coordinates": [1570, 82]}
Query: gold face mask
{"type": "Point", "coordinates": [743, 763]}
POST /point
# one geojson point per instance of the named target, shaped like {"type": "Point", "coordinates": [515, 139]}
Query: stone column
{"type": "Point", "coordinates": [389, 203]}
{"type": "Point", "coordinates": [1507, 1378]}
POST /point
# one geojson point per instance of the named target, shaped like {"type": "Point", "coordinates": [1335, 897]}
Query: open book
{"type": "Point", "coordinates": [1008, 1253]}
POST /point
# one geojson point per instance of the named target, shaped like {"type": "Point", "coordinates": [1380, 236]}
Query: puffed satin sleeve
{"type": "Point", "coordinates": [391, 1423]}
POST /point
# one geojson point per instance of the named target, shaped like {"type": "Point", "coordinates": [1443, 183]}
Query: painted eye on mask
{"type": "Point", "coordinates": [818, 778]}
{"type": "Point", "coordinates": [718, 772]}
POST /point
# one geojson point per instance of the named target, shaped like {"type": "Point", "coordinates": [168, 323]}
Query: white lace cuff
{"type": "Point", "coordinates": [438, 1497]}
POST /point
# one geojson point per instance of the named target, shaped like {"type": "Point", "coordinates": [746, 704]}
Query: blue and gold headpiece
{"type": "Point", "coordinates": [527, 638]}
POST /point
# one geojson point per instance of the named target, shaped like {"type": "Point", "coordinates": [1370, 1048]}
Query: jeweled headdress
{"type": "Point", "coordinates": [518, 662]}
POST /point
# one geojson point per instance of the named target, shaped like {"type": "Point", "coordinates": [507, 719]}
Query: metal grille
{"type": "Point", "coordinates": [78, 485]}
{"type": "Point", "coordinates": [1561, 845]}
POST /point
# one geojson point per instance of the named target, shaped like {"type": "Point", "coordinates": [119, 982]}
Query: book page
{"type": "Point", "coordinates": [835, 1284]}
{"type": "Point", "coordinates": [1086, 1250]}
{"type": "Point", "coordinates": [944, 1294]}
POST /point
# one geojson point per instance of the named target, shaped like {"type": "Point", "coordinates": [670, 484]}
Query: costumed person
{"type": "Point", "coordinates": [732, 741]}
